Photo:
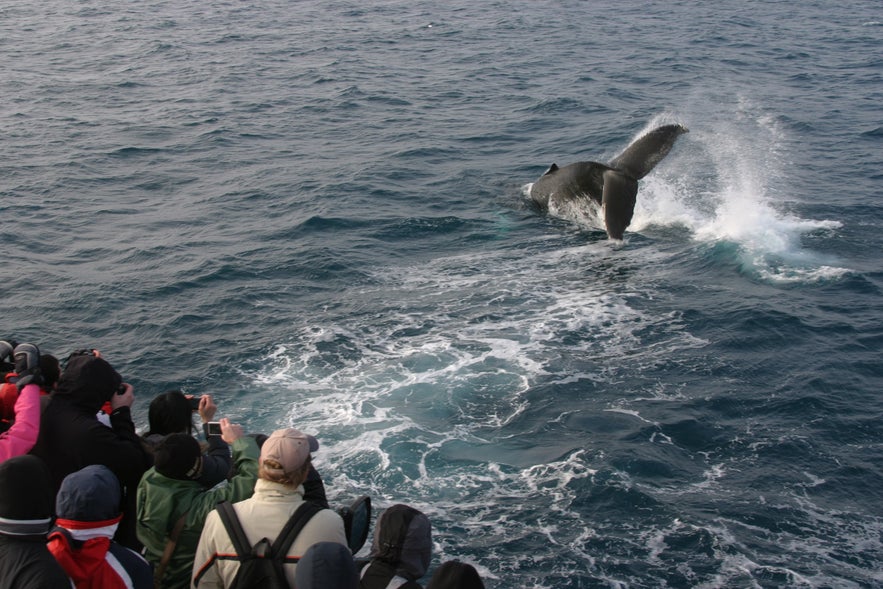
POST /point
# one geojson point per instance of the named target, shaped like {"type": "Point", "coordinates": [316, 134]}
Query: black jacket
{"type": "Point", "coordinates": [25, 516]}
{"type": "Point", "coordinates": [71, 437]}
{"type": "Point", "coordinates": [28, 563]}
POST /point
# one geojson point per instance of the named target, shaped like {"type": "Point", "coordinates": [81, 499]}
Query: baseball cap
{"type": "Point", "coordinates": [290, 448]}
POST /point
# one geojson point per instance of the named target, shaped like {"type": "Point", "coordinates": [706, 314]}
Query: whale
{"type": "Point", "coordinates": [613, 186]}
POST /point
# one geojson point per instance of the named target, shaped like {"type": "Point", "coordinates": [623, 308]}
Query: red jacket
{"type": "Point", "coordinates": [95, 561]}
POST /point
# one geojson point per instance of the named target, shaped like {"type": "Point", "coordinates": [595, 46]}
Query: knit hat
{"type": "Point", "coordinates": [91, 494]}
{"type": "Point", "coordinates": [178, 456]}
{"type": "Point", "coordinates": [25, 497]}
{"type": "Point", "coordinates": [290, 448]}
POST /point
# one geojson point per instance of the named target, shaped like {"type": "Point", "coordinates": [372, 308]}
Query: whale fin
{"type": "Point", "coordinates": [618, 201]}
{"type": "Point", "coordinates": [552, 168]}
{"type": "Point", "coordinates": [646, 151]}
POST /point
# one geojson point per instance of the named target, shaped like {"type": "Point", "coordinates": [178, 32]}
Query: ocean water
{"type": "Point", "coordinates": [317, 212]}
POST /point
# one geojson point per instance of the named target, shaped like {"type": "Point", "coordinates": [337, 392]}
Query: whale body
{"type": "Point", "coordinates": [613, 186]}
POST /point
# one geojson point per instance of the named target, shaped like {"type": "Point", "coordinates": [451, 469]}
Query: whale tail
{"type": "Point", "coordinates": [621, 181]}
{"type": "Point", "coordinates": [646, 151]}
{"type": "Point", "coordinates": [618, 199]}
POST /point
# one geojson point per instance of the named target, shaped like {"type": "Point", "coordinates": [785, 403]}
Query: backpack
{"type": "Point", "coordinates": [260, 566]}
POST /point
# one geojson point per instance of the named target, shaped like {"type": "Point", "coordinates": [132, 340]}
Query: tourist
{"type": "Point", "coordinates": [21, 436]}
{"type": "Point", "coordinates": [285, 462]}
{"type": "Point", "coordinates": [171, 413]}
{"type": "Point", "coordinates": [454, 574]}
{"type": "Point", "coordinates": [71, 437]}
{"type": "Point", "coordinates": [173, 505]}
{"type": "Point", "coordinates": [26, 501]}
{"type": "Point", "coordinates": [326, 565]}
{"type": "Point", "coordinates": [401, 550]}
{"type": "Point", "coordinates": [88, 512]}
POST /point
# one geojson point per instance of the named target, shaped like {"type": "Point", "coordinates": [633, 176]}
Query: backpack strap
{"type": "Point", "coordinates": [292, 528]}
{"type": "Point", "coordinates": [169, 549]}
{"type": "Point", "coordinates": [234, 528]}
{"type": "Point", "coordinates": [283, 541]}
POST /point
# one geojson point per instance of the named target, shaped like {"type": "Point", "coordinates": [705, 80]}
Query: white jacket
{"type": "Point", "coordinates": [261, 516]}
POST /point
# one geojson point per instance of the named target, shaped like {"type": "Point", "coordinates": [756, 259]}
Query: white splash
{"type": "Point", "coordinates": [725, 182]}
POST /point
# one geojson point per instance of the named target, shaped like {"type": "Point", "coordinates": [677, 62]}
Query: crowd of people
{"type": "Point", "coordinates": [87, 502]}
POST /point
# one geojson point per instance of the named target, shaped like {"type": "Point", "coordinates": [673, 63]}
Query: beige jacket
{"type": "Point", "coordinates": [262, 516]}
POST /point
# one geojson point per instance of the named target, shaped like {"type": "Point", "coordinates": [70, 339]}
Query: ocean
{"type": "Point", "coordinates": [317, 212]}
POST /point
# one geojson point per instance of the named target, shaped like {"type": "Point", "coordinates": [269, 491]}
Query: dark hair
{"type": "Point", "coordinates": [170, 413]}
{"type": "Point", "coordinates": [179, 457]}
{"type": "Point", "coordinates": [50, 369]}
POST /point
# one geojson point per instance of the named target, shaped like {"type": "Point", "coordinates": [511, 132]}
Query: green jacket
{"type": "Point", "coordinates": [162, 501]}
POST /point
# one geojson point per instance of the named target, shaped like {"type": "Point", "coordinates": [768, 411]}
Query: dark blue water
{"type": "Point", "coordinates": [315, 211]}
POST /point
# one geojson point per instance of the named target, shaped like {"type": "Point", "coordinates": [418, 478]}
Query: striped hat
{"type": "Point", "coordinates": [26, 497]}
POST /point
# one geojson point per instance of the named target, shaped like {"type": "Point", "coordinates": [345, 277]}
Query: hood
{"type": "Point", "coordinates": [325, 565]}
{"type": "Point", "coordinates": [91, 496]}
{"type": "Point", "coordinates": [403, 539]}
{"type": "Point", "coordinates": [89, 382]}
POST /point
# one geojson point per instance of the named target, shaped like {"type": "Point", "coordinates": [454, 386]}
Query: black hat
{"type": "Point", "coordinates": [178, 456]}
{"type": "Point", "coordinates": [26, 497]}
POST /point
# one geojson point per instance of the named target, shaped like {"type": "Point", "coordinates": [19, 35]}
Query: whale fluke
{"type": "Point", "coordinates": [647, 150]}
{"type": "Point", "coordinates": [614, 186]}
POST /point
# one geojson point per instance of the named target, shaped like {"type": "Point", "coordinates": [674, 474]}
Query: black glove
{"type": "Point", "coordinates": [27, 365]}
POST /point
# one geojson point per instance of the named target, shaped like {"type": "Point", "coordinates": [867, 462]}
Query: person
{"type": "Point", "coordinates": [401, 550]}
{"type": "Point", "coordinates": [88, 512]}
{"type": "Point", "coordinates": [454, 574]}
{"type": "Point", "coordinates": [50, 370]}
{"type": "Point", "coordinates": [71, 437]}
{"type": "Point", "coordinates": [26, 499]}
{"type": "Point", "coordinates": [171, 413]}
{"type": "Point", "coordinates": [326, 565]}
{"type": "Point", "coordinates": [285, 462]}
{"type": "Point", "coordinates": [22, 435]}
{"type": "Point", "coordinates": [170, 493]}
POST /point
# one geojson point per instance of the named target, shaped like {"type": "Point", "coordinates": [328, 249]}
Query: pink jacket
{"type": "Point", "coordinates": [21, 437]}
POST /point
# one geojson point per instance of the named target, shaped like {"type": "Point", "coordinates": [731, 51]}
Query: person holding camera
{"type": "Point", "coordinates": [173, 505]}
{"type": "Point", "coordinates": [172, 413]}
{"type": "Point", "coordinates": [71, 436]}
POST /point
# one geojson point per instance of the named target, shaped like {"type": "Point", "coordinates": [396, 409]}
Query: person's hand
{"type": "Point", "coordinates": [230, 432]}
{"type": "Point", "coordinates": [124, 399]}
{"type": "Point", "coordinates": [207, 408]}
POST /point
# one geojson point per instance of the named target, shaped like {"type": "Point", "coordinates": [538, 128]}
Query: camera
{"type": "Point", "coordinates": [194, 403]}
{"type": "Point", "coordinates": [213, 428]}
